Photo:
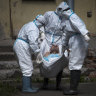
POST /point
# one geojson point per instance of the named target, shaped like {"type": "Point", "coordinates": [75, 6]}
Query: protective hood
{"type": "Point", "coordinates": [62, 7]}
{"type": "Point", "coordinates": [66, 11]}
{"type": "Point", "coordinates": [39, 21]}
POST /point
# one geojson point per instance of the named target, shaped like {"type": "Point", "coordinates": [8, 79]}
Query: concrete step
{"type": "Point", "coordinates": [10, 56]}
{"type": "Point", "coordinates": [6, 74]}
{"type": "Point", "coordinates": [7, 56]}
{"type": "Point", "coordinates": [13, 65]}
{"type": "Point", "coordinates": [6, 48]}
{"type": "Point", "coordinates": [6, 45]}
{"type": "Point", "coordinates": [11, 70]}
{"type": "Point", "coordinates": [9, 73]}
{"type": "Point", "coordinates": [7, 42]}
{"type": "Point", "coordinates": [8, 65]}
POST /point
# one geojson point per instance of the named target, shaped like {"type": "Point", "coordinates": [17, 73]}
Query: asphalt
{"type": "Point", "coordinates": [85, 89]}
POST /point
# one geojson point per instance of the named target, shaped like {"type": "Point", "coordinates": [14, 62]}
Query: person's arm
{"type": "Point", "coordinates": [42, 20]}
{"type": "Point", "coordinates": [80, 26]}
{"type": "Point", "coordinates": [33, 40]}
{"type": "Point", "coordinates": [33, 35]}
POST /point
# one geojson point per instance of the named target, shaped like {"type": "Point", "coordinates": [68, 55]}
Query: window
{"type": "Point", "coordinates": [38, 0]}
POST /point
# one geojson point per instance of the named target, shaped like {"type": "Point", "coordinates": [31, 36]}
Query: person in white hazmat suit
{"type": "Point", "coordinates": [53, 28]}
{"type": "Point", "coordinates": [25, 44]}
{"type": "Point", "coordinates": [76, 37]}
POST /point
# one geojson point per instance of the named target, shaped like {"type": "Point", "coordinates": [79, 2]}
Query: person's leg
{"type": "Point", "coordinates": [77, 54]}
{"type": "Point", "coordinates": [74, 82]}
{"type": "Point", "coordinates": [45, 83]}
{"type": "Point", "coordinates": [22, 51]}
{"type": "Point", "coordinates": [58, 80]}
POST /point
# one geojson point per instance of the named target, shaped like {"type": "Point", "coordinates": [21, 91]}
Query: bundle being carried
{"type": "Point", "coordinates": [53, 59]}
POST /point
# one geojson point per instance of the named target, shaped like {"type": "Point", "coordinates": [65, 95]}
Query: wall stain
{"type": "Point", "coordinates": [15, 3]}
{"type": "Point", "coordinates": [1, 28]}
{"type": "Point", "coordinates": [2, 35]}
{"type": "Point", "coordinates": [6, 24]}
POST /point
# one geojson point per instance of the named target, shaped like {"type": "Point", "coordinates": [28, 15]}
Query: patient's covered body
{"type": "Point", "coordinates": [53, 60]}
{"type": "Point", "coordinates": [52, 54]}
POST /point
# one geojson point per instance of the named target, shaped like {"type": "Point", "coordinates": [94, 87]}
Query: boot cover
{"type": "Point", "coordinates": [45, 84]}
{"type": "Point", "coordinates": [74, 81]}
{"type": "Point", "coordinates": [58, 81]}
{"type": "Point", "coordinates": [26, 83]}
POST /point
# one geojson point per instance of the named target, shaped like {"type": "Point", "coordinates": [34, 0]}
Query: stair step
{"type": "Point", "coordinates": [6, 53]}
{"type": "Point", "coordinates": [8, 65]}
{"type": "Point", "coordinates": [13, 65]}
{"type": "Point", "coordinates": [9, 73]}
{"type": "Point", "coordinates": [6, 48]}
{"type": "Point", "coordinates": [7, 56]}
{"type": "Point", "coordinates": [10, 56]}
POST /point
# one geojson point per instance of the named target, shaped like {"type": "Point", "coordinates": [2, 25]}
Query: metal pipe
{"type": "Point", "coordinates": [71, 4]}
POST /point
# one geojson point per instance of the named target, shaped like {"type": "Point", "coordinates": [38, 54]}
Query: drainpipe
{"type": "Point", "coordinates": [10, 14]}
{"type": "Point", "coordinates": [71, 4]}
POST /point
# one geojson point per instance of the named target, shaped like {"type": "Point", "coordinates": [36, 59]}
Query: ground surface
{"type": "Point", "coordinates": [86, 89]}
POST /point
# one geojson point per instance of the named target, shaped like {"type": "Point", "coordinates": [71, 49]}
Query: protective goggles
{"type": "Point", "coordinates": [59, 9]}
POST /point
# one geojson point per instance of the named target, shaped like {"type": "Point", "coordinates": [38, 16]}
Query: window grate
{"type": "Point", "coordinates": [38, 0]}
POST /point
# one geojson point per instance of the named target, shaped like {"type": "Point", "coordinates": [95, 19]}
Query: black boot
{"type": "Point", "coordinates": [45, 84]}
{"type": "Point", "coordinates": [58, 80]}
{"type": "Point", "coordinates": [74, 81]}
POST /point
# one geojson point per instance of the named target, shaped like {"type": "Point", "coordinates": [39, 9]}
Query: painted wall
{"type": "Point", "coordinates": [84, 6]}
{"type": "Point", "coordinates": [25, 11]}
{"type": "Point", "coordinates": [4, 19]}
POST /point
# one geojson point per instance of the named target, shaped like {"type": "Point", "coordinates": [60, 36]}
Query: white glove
{"type": "Point", "coordinates": [87, 38]}
{"type": "Point", "coordinates": [39, 58]}
{"type": "Point", "coordinates": [42, 36]}
{"type": "Point", "coordinates": [42, 33]}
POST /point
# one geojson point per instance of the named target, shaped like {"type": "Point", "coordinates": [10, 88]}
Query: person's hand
{"type": "Point", "coordinates": [39, 58]}
{"type": "Point", "coordinates": [42, 36]}
{"type": "Point", "coordinates": [64, 48]}
{"type": "Point", "coordinates": [87, 38]}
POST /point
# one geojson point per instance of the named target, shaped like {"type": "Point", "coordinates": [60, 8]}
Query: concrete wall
{"type": "Point", "coordinates": [24, 11]}
{"type": "Point", "coordinates": [84, 6]}
{"type": "Point", "coordinates": [4, 19]}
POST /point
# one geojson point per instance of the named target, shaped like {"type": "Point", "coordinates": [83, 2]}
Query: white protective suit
{"type": "Point", "coordinates": [76, 38]}
{"type": "Point", "coordinates": [25, 44]}
{"type": "Point", "coordinates": [53, 28]}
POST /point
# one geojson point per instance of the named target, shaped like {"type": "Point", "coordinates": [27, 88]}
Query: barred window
{"type": "Point", "coordinates": [38, 0]}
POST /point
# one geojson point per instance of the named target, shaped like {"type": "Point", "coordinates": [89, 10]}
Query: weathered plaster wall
{"type": "Point", "coordinates": [84, 6]}
{"type": "Point", "coordinates": [4, 19]}
{"type": "Point", "coordinates": [23, 12]}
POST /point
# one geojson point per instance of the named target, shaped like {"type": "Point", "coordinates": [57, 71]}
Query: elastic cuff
{"type": "Point", "coordinates": [38, 50]}
{"type": "Point", "coordinates": [85, 33]}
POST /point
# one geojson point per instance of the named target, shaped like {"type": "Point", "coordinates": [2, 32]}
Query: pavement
{"type": "Point", "coordinates": [85, 89]}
